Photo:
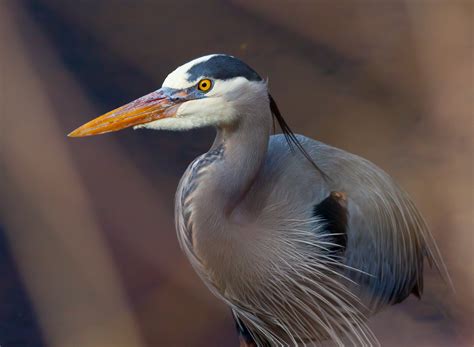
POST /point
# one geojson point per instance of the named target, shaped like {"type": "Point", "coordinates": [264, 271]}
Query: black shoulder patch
{"type": "Point", "coordinates": [332, 211]}
{"type": "Point", "coordinates": [222, 67]}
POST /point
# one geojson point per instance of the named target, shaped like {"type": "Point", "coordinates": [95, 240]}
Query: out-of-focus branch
{"type": "Point", "coordinates": [57, 244]}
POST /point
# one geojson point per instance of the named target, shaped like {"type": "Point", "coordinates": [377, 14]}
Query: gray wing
{"type": "Point", "coordinates": [385, 235]}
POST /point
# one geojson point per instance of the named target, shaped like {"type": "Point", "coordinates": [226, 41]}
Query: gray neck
{"type": "Point", "coordinates": [213, 199]}
{"type": "Point", "coordinates": [236, 158]}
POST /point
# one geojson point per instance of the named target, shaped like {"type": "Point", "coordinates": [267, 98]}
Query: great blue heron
{"type": "Point", "coordinates": [302, 240]}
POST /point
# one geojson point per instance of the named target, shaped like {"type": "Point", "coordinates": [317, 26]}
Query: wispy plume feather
{"type": "Point", "coordinates": [290, 136]}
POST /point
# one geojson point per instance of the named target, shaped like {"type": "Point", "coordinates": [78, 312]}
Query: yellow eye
{"type": "Point", "coordinates": [204, 85]}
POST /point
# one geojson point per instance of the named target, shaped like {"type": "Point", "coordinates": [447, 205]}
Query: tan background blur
{"type": "Point", "coordinates": [88, 253]}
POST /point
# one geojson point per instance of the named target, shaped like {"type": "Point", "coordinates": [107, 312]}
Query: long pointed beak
{"type": "Point", "coordinates": [156, 105]}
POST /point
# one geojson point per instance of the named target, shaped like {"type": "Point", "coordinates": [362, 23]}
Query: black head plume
{"type": "Point", "coordinates": [290, 136]}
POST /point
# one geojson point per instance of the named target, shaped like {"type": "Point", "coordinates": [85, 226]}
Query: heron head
{"type": "Point", "coordinates": [214, 90]}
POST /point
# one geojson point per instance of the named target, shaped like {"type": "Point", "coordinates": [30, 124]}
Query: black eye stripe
{"type": "Point", "coordinates": [222, 67]}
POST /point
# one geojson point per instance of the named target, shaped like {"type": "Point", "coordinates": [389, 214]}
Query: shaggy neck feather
{"type": "Point", "coordinates": [225, 184]}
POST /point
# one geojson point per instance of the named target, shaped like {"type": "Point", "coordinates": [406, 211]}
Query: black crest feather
{"type": "Point", "coordinates": [290, 136]}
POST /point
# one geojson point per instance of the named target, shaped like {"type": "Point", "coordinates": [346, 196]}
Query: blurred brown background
{"type": "Point", "coordinates": [88, 253]}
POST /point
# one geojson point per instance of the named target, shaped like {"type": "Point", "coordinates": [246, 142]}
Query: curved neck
{"type": "Point", "coordinates": [217, 185]}
{"type": "Point", "coordinates": [241, 150]}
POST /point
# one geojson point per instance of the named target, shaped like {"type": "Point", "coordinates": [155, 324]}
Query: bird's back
{"type": "Point", "coordinates": [386, 237]}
